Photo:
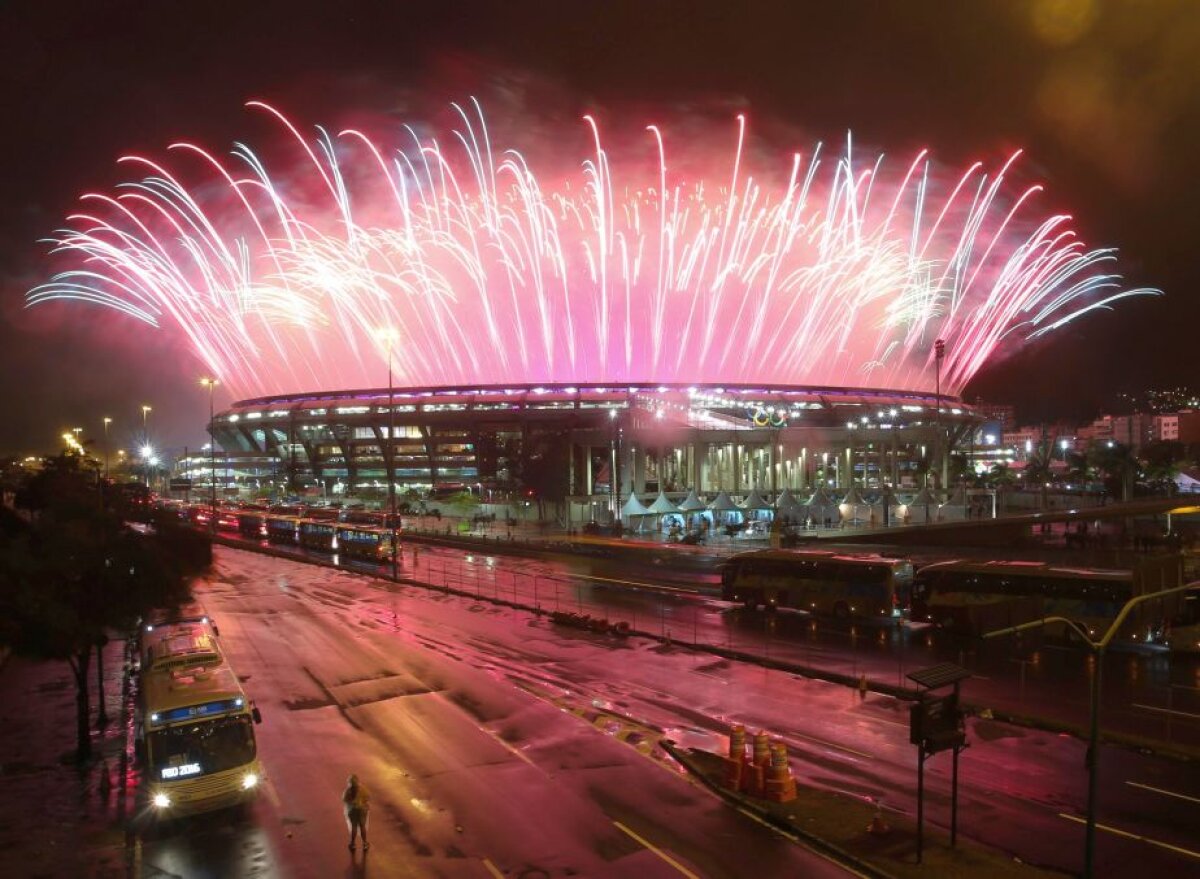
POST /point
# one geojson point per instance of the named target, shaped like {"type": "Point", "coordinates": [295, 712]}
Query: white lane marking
{"type": "Point", "coordinates": [834, 745]}
{"type": "Point", "coordinates": [1128, 835]}
{"type": "Point", "coordinates": [1166, 711]}
{"type": "Point", "coordinates": [666, 857]}
{"type": "Point", "coordinates": [492, 869]}
{"type": "Point", "coordinates": [1159, 790]}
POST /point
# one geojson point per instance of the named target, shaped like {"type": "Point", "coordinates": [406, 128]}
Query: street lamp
{"type": "Point", "coordinates": [146, 410]}
{"type": "Point", "coordinates": [939, 352]}
{"type": "Point", "coordinates": [107, 422]}
{"type": "Point", "coordinates": [388, 336]}
{"type": "Point", "coordinates": [1097, 648]}
{"type": "Point", "coordinates": [211, 383]}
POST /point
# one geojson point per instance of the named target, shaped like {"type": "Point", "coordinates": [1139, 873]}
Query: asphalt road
{"type": "Point", "coordinates": [472, 773]}
{"type": "Point", "coordinates": [495, 741]}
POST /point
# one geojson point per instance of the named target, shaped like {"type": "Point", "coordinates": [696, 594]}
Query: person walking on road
{"type": "Point", "coordinates": [356, 800]}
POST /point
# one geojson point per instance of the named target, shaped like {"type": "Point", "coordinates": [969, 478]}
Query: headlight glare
{"type": "Point", "coordinates": [249, 780]}
{"type": "Point", "coordinates": [162, 801]}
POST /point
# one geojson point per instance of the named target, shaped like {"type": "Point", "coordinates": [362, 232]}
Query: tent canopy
{"type": "Point", "coordinates": [663, 505]}
{"type": "Point", "coordinates": [722, 503]}
{"type": "Point", "coordinates": [787, 503]}
{"type": "Point", "coordinates": [634, 507]}
{"type": "Point", "coordinates": [691, 503]}
{"type": "Point", "coordinates": [924, 496]}
{"type": "Point", "coordinates": [854, 497]}
{"type": "Point", "coordinates": [755, 501]}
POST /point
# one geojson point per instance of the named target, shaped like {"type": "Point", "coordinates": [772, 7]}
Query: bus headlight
{"type": "Point", "coordinates": [249, 780]}
{"type": "Point", "coordinates": [162, 801]}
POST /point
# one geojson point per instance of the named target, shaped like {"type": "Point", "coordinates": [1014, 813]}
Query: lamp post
{"type": "Point", "coordinates": [388, 335]}
{"type": "Point", "coordinates": [939, 351]}
{"type": "Point", "coordinates": [146, 410]}
{"type": "Point", "coordinates": [211, 383]}
{"type": "Point", "coordinates": [107, 422]}
{"type": "Point", "coordinates": [1097, 648]}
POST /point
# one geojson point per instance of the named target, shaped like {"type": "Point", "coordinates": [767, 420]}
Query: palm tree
{"type": "Point", "coordinates": [1119, 466]}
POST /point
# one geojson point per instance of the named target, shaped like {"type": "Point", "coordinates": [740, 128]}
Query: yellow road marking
{"type": "Point", "coordinates": [1159, 790]}
{"type": "Point", "coordinates": [666, 857]}
{"type": "Point", "coordinates": [1128, 835]}
{"type": "Point", "coordinates": [492, 869]}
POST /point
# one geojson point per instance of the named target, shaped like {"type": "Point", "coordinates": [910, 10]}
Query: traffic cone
{"type": "Point", "coordinates": [878, 826]}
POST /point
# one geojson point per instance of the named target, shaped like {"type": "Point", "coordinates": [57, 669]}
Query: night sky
{"type": "Point", "coordinates": [1104, 97]}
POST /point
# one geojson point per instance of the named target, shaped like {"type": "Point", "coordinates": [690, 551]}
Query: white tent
{"type": "Point", "coordinates": [723, 508]}
{"type": "Point", "coordinates": [922, 508]}
{"type": "Point", "coordinates": [822, 508]}
{"type": "Point", "coordinates": [755, 503]}
{"type": "Point", "coordinates": [633, 507]}
{"type": "Point", "coordinates": [853, 508]}
{"type": "Point", "coordinates": [662, 506]}
{"type": "Point", "coordinates": [694, 510]}
{"type": "Point", "coordinates": [787, 505]}
{"type": "Point", "coordinates": [955, 506]}
{"type": "Point", "coordinates": [887, 509]}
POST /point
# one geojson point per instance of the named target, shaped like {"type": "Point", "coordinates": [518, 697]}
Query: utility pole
{"type": "Point", "coordinates": [388, 334]}
{"type": "Point", "coordinates": [939, 351]}
{"type": "Point", "coordinates": [211, 383]}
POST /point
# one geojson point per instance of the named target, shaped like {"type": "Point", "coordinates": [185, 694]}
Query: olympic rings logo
{"type": "Point", "coordinates": [763, 417]}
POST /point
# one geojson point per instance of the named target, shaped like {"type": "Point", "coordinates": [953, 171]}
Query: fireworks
{"type": "Point", "coordinates": [471, 268]}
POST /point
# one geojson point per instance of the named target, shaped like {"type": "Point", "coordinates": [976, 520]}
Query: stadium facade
{"type": "Point", "coordinates": [563, 444]}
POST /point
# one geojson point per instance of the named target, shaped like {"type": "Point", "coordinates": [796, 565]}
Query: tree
{"type": "Point", "coordinates": [73, 572]}
{"type": "Point", "coordinates": [1119, 466]}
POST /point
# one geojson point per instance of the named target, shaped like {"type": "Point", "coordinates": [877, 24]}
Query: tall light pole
{"type": "Point", "coordinates": [146, 410]}
{"type": "Point", "coordinates": [107, 422]}
{"type": "Point", "coordinates": [211, 383]}
{"type": "Point", "coordinates": [1097, 648]}
{"type": "Point", "coordinates": [388, 336]}
{"type": "Point", "coordinates": [939, 351]}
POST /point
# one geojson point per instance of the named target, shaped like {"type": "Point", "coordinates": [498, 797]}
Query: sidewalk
{"type": "Point", "coordinates": [55, 820]}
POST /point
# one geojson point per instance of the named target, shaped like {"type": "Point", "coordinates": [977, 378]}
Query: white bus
{"type": "Point", "coordinates": [196, 740]}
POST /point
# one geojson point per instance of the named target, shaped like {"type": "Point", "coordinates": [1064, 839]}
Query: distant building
{"type": "Point", "coordinates": [1183, 427]}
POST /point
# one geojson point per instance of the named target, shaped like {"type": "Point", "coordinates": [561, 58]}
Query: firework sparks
{"type": "Point", "coordinates": [843, 275]}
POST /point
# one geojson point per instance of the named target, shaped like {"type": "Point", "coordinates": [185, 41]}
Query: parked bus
{"type": "Point", "coordinates": [320, 534]}
{"type": "Point", "coordinates": [283, 529]}
{"type": "Point", "coordinates": [975, 597]}
{"type": "Point", "coordinates": [823, 583]}
{"type": "Point", "coordinates": [196, 740]}
{"type": "Point", "coordinates": [365, 542]}
{"type": "Point", "coordinates": [253, 524]}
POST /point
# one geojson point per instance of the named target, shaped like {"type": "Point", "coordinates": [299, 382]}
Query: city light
{"type": "Point", "coordinates": [834, 268]}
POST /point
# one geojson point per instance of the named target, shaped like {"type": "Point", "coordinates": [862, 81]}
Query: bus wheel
{"type": "Point", "coordinates": [841, 611]}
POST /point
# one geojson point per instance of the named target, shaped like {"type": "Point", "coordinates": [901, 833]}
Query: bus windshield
{"type": "Point", "coordinates": [201, 748]}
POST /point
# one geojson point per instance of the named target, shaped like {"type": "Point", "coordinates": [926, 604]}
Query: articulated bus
{"type": "Point", "coordinates": [189, 612]}
{"type": "Point", "coordinates": [977, 597]}
{"type": "Point", "coordinates": [196, 740]}
{"type": "Point", "coordinates": [365, 542]}
{"type": "Point", "coordinates": [823, 583]}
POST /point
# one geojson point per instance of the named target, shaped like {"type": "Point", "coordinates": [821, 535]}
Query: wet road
{"type": "Point", "coordinates": [1147, 693]}
{"type": "Point", "coordinates": [466, 714]}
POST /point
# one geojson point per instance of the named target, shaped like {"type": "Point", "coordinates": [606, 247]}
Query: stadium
{"type": "Point", "coordinates": [561, 445]}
